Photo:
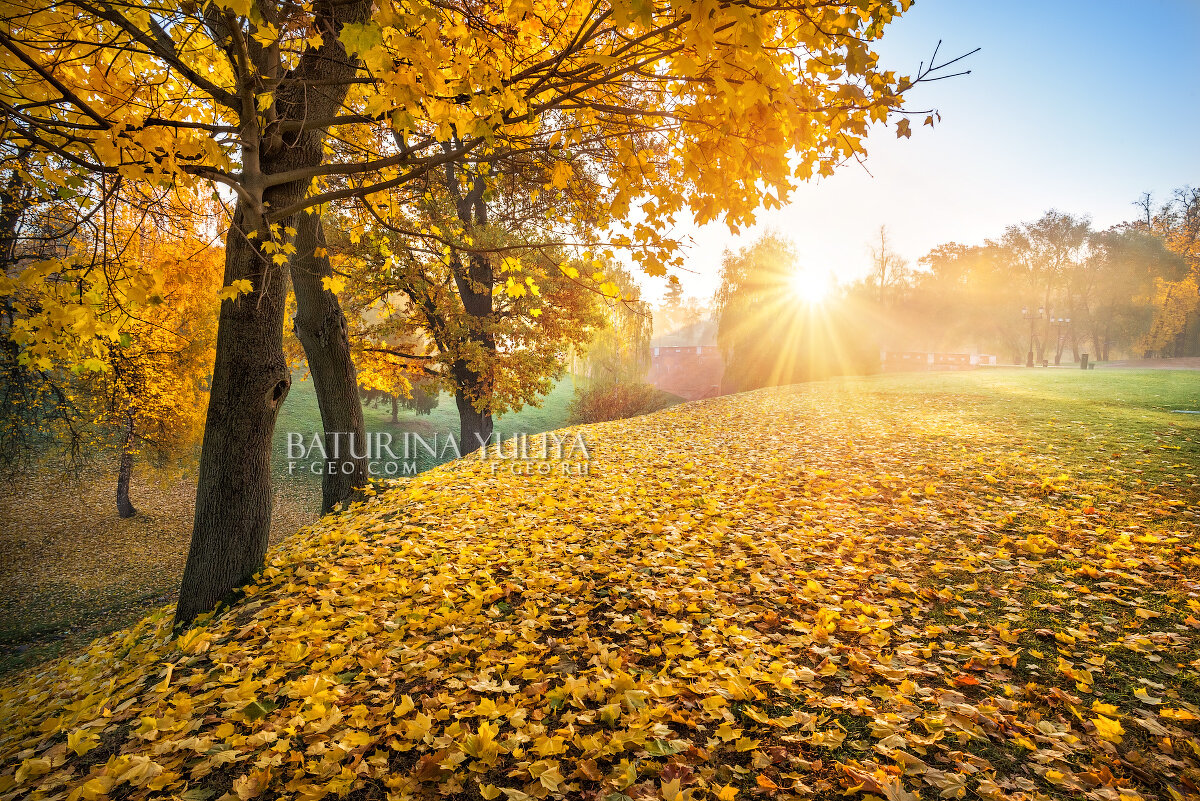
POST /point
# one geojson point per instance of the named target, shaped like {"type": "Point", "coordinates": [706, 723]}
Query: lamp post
{"type": "Point", "coordinates": [1059, 322]}
{"type": "Point", "coordinates": [1032, 318]}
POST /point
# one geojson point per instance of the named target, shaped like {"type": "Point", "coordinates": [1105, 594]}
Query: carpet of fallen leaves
{"type": "Point", "coordinates": [791, 593]}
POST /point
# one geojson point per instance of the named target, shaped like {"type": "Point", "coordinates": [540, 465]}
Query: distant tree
{"type": "Point", "coordinates": [1175, 325]}
{"type": "Point", "coordinates": [1116, 288]}
{"type": "Point", "coordinates": [422, 398]}
{"type": "Point", "coordinates": [1042, 254]}
{"type": "Point", "coordinates": [130, 374]}
{"type": "Point", "coordinates": [619, 347]}
{"type": "Point", "coordinates": [889, 272]}
{"type": "Point", "coordinates": [963, 297]}
{"type": "Point", "coordinates": [677, 311]}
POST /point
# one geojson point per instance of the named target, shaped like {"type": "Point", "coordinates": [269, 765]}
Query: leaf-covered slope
{"type": "Point", "coordinates": [797, 591]}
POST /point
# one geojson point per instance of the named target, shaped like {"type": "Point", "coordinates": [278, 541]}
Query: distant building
{"type": "Point", "coordinates": [687, 362]}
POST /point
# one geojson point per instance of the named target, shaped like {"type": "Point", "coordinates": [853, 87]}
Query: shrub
{"type": "Point", "coordinates": [616, 401]}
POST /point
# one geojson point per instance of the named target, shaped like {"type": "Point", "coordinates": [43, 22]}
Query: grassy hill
{"type": "Point", "coordinates": [904, 586]}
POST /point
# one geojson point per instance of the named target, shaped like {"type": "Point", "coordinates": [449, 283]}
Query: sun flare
{"type": "Point", "coordinates": [811, 286]}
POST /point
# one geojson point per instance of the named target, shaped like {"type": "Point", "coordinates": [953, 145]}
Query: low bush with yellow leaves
{"type": "Point", "coordinates": [616, 400]}
{"type": "Point", "coordinates": [819, 591]}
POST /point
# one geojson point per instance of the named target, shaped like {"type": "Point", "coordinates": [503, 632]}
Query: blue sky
{"type": "Point", "coordinates": [1079, 106]}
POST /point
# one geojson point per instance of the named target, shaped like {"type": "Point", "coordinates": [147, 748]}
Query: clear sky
{"type": "Point", "coordinates": [1080, 106]}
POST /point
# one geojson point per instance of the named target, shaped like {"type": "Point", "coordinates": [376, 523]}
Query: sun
{"type": "Point", "coordinates": [810, 286]}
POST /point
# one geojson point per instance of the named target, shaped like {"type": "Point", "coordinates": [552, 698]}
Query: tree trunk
{"type": "Point", "coordinates": [395, 408]}
{"type": "Point", "coordinates": [250, 382]}
{"type": "Point", "coordinates": [250, 375]}
{"type": "Point", "coordinates": [474, 279]}
{"type": "Point", "coordinates": [321, 328]}
{"type": "Point", "coordinates": [125, 508]}
{"type": "Point", "coordinates": [474, 426]}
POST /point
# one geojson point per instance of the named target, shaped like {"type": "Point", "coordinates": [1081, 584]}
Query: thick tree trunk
{"type": "Point", "coordinates": [125, 508]}
{"type": "Point", "coordinates": [321, 328]}
{"type": "Point", "coordinates": [395, 408]}
{"type": "Point", "coordinates": [474, 426]}
{"type": "Point", "coordinates": [250, 375]}
{"type": "Point", "coordinates": [250, 382]}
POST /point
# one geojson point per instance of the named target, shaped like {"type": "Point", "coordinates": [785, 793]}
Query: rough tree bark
{"type": "Point", "coordinates": [474, 280]}
{"type": "Point", "coordinates": [125, 508]}
{"type": "Point", "coordinates": [321, 328]}
{"type": "Point", "coordinates": [250, 375]}
{"type": "Point", "coordinates": [473, 387]}
{"type": "Point", "coordinates": [250, 382]}
{"type": "Point", "coordinates": [474, 426]}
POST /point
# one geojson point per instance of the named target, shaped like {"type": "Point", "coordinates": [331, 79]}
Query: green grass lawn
{"type": "Point", "coordinates": [1097, 422]}
{"type": "Point", "coordinates": [1085, 418]}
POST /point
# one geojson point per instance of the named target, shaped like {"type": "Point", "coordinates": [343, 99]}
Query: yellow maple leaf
{"type": "Point", "coordinates": [81, 741]}
{"type": "Point", "coordinates": [1108, 728]}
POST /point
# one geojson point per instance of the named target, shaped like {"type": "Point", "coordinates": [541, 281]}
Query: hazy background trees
{"type": "Point", "coordinates": [1128, 291]}
{"type": "Point", "coordinates": [769, 335]}
{"type": "Point", "coordinates": [1055, 285]}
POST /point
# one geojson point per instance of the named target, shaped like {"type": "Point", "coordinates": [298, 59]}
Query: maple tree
{"type": "Point", "coordinates": [717, 109]}
{"type": "Point", "coordinates": [113, 338]}
{"type": "Point", "coordinates": [489, 313]}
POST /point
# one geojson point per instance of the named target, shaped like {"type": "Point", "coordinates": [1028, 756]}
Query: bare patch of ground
{"type": "Point", "coordinates": [71, 569]}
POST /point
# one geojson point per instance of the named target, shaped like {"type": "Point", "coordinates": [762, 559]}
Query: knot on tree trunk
{"type": "Point", "coordinates": [279, 393]}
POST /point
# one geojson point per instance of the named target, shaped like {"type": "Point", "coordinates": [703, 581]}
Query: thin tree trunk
{"type": "Point", "coordinates": [321, 328]}
{"type": "Point", "coordinates": [395, 408]}
{"type": "Point", "coordinates": [125, 508]}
